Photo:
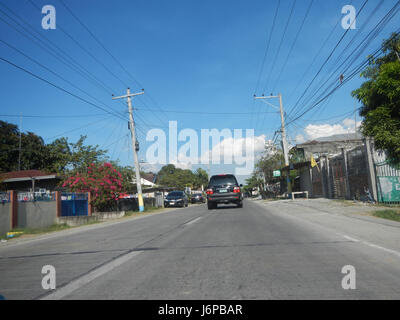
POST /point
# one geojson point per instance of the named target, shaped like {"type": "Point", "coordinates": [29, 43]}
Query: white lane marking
{"type": "Point", "coordinates": [80, 282]}
{"type": "Point", "coordinates": [193, 221]}
{"type": "Point", "coordinates": [350, 238]}
{"type": "Point", "coordinates": [373, 245]}
{"type": "Point", "coordinates": [396, 253]}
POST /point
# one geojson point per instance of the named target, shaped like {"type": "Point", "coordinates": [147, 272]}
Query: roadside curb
{"type": "Point", "coordinates": [81, 228]}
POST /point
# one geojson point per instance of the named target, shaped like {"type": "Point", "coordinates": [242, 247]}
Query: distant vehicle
{"type": "Point", "coordinates": [198, 197]}
{"type": "Point", "coordinates": [176, 199]}
{"type": "Point", "coordinates": [224, 188]}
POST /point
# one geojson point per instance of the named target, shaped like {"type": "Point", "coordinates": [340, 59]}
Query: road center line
{"type": "Point", "coordinates": [80, 282]}
{"type": "Point", "coordinates": [351, 239]}
{"type": "Point", "coordinates": [193, 221]}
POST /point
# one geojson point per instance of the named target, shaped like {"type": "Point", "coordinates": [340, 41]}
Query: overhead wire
{"type": "Point", "coordinates": [327, 59]}
{"type": "Point", "coordinates": [110, 54]}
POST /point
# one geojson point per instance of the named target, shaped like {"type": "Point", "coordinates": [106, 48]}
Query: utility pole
{"type": "Point", "coordinates": [397, 54]}
{"type": "Point", "coordinates": [20, 138]}
{"type": "Point", "coordinates": [135, 144]}
{"type": "Point", "coordinates": [283, 132]}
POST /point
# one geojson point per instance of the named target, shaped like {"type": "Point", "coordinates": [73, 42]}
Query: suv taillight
{"type": "Point", "coordinates": [210, 191]}
{"type": "Point", "coordinates": [236, 190]}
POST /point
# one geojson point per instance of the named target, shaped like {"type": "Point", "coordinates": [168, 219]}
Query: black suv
{"type": "Point", "coordinates": [224, 188]}
{"type": "Point", "coordinates": [176, 199]}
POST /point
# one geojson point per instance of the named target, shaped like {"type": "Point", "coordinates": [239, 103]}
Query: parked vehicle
{"type": "Point", "coordinates": [176, 199]}
{"type": "Point", "coordinates": [197, 197]}
{"type": "Point", "coordinates": [224, 188]}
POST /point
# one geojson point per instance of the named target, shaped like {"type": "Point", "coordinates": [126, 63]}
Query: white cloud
{"type": "Point", "coordinates": [182, 164]}
{"type": "Point", "coordinates": [236, 148]}
{"type": "Point", "coordinates": [325, 130]}
{"type": "Point", "coordinates": [300, 138]}
{"type": "Point", "coordinates": [237, 152]}
{"type": "Point", "coordinates": [349, 123]}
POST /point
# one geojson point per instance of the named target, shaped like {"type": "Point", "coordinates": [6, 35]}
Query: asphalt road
{"type": "Point", "coordinates": [273, 251]}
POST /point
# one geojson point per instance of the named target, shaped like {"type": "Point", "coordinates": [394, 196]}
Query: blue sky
{"type": "Point", "coordinates": [191, 56]}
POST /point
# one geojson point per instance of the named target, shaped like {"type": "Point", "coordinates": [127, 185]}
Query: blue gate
{"type": "Point", "coordinates": [74, 204]}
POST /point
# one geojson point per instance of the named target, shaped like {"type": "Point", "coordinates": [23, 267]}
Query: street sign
{"type": "Point", "coordinates": [277, 173]}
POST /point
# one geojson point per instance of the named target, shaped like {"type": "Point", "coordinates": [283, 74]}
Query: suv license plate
{"type": "Point", "coordinates": [223, 190]}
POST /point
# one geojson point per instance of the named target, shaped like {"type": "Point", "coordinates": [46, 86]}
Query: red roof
{"type": "Point", "coordinates": [25, 174]}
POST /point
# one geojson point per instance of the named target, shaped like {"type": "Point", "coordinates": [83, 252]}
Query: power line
{"type": "Point", "coordinates": [60, 88]}
{"type": "Point", "coordinates": [280, 43]}
{"type": "Point", "coordinates": [204, 112]}
{"type": "Point", "coordinates": [291, 49]}
{"type": "Point", "coordinates": [53, 116]}
{"type": "Point", "coordinates": [109, 53]}
{"type": "Point", "coordinates": [75, 129]}
{"type": "Point", "coordinates": [50, 49]}
{"type": "Point", "coordinates": [316, 56]}
{"type": "Point", "coordinates": [327, 59]}
{"type": "Point", "coordinates": [278, 51]}
{"type": "Point", "coordinates": [267, 47]}
{"type": "Point", "coordinates": [293, 44]}
{"type": "Point", "coordinates": [264, 58]}
{"type": "Point", "coordinates": [372, 35]}
{"type": "Point", "coordinates": [354, 72]}
{"type": "Point", "coordinates": [54, 73]}
{"type": "Point", "coordinates": [83, 48]}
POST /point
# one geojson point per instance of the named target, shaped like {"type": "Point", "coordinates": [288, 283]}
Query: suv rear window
{"type": "Point", "coordinates": [223, 180]}
{"type": "Point", "coordinates": [176, 194]}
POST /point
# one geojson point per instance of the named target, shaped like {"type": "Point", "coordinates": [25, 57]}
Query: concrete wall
{"type": "Point", "coordinates": [109, 215]}
{"type": "Point", "coordinates": [5, 218]}
{"type": "Point", "coordinates": [37, 214]}
{"type": "Point", "coordinates": [73, 221]}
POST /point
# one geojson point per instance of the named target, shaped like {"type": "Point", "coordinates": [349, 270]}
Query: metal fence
{"type": "Point", "coordinates": [36, 196]}
{"type": "Point", "coordinates": [357, 171]}
{"type": "Point", "coordinates": [337, 177]}
{"type": "Point", "coordinates": [74, 204]}
{"type": "Point", "coordinates": [316, 182]}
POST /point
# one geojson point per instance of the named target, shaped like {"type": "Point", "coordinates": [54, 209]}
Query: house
{"type": "Point", "coordinates": [330, 145]}
{"type": "Point", "coordinates": [30, 181]}
{"type": "Point", "coordinates": [343, 167]}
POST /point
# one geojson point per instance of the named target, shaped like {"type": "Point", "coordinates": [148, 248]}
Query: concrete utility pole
{"type": "Point", "coordinates": [20, 138]}
{"type": "Point", "coordinates": [283, 131]}
{"type": "Point", "coordinates": [135, 145]}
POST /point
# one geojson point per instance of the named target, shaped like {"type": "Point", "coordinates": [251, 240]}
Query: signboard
{"type": "Point", "coordinates": [277, 173]}
{"type": "Point", "coordinates": [389, 189]}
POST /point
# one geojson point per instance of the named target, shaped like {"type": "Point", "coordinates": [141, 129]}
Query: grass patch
{"type": "Point", "coordinates": [33, 231]}
{"type": "Point", "coordinates": [147, 210]}
{"type": "Point", "coordinates": [344, 202]}
{"type": "Point", "coordinates": [388, 214]}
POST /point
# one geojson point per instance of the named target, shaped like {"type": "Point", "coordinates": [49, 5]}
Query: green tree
{"type": "Point", "coordinates": [201, 178]}
{"type": "Point", "coordinates": [177, 178]}
{"type": "Point", "coordinates": [33, 149]}
{"type": "Point", "coordinates": [255, 181]}
{"type": "Point", "coordinates": [8, 146]}
{"type": "Point", "coordinates": [380, 96]}
{"type": "Point", "coordinates": [268, 164]}
{"type": "Point", "coordinates": [58, 156]}
{"type": "Point", "coordinates": [83, 155]}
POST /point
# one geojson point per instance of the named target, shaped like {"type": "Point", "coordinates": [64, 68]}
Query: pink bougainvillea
{"type": "Point", "coordinates": [102, 181]}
